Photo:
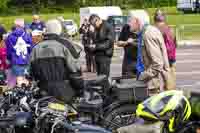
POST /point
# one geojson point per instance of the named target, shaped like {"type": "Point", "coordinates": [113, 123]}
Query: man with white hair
{"type": "Point", "coordinates": [54, 64]}
{"type": "Point", "coordinates": [154, 54]}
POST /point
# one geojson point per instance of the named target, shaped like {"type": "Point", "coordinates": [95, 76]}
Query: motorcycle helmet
{"type": "Point", "coordinates": [170, 106]}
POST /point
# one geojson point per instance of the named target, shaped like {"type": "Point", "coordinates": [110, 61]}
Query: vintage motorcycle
{"type": "Point", "coordinates": [111, 109]}
{"type": "Point", "coordinates": [22, 111]}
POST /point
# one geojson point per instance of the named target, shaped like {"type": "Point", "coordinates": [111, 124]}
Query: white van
{"type": "Point", "coordinates": [188, 5]}
{"type": "Point", "coordinates": [102, 12]}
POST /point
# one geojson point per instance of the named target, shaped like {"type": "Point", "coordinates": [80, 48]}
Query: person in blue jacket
{"type": "Point", "coordinates": [37, 24]}
{"type": "Point", "coordinates": [19, 45]}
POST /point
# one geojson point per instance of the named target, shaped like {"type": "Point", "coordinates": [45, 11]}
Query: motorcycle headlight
{"type": "Point", "coordinates": [23, 119]}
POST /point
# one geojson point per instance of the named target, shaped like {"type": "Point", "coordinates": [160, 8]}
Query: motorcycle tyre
{"type": "Point", "coordinates": [110, 116]}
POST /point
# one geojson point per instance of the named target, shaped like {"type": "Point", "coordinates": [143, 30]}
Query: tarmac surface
{"type": "Point", "coordinates": [188, 66]}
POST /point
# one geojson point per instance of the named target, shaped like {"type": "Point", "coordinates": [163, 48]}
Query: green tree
{"type": "Point", "coordinates": [4, 4]}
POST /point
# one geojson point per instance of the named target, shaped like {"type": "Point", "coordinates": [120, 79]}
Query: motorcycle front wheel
{"type": "Point", "coordinates": [121, 116]}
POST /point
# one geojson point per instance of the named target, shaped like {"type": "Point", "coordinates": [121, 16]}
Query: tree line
{"type": "Point", "coordinates": [125, 4]}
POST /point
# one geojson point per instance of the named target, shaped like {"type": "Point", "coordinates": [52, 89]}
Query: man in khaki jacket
{"type": "Point", "coordinates": [153, 51]}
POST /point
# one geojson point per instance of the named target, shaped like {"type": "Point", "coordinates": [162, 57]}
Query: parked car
{"type": "Point", "coordinates": [188, 5]}
{"type": "Point", "coordinates": [71, 27]}
{"type": "Point", "coordinates": [117, 22]}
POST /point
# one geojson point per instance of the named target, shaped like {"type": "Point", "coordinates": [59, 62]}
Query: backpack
{"type": "Point", "coordinates": [169, 43]}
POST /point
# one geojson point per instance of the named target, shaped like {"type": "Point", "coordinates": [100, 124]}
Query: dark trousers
{"type": "Point", "coordinates": [129, 68]}
{"type": "Point", "coordinates": [90, 61]}
{"type": "Point", "coordinates": [103, 65]}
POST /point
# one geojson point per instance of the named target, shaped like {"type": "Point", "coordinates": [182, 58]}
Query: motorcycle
{"type": "Point", "coordinates": [110, 102]}
{"type": "Point", "coordinates": [109, 109]}
{"type": "Point", "coordinates": [33, 115]}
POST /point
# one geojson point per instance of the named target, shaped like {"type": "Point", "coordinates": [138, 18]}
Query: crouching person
{"type": "Point", "coordinates": [168, 109]}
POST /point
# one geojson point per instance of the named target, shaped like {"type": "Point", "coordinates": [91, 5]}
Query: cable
{"type": "Point", "coordinates": [55, 124]}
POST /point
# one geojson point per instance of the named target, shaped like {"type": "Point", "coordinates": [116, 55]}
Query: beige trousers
{"type": "Point", "coordinates": [171, 84]}
{"type": "Point", "coordinates": [146, 128]}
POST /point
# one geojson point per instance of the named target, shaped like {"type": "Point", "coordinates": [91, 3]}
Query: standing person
{"type": "Point", "coordinates": [37, 36]}
{"type": "Point", "coordinates": [37, 24]}
{"type": "Point", "coordinates": [170, 43]}
{"type": "Point", "coordinates": [92, 62]}
{"type": "Point", "coordinates": [2, 31]}
{"type": "Point", "coordinates": [19, 45]}
{"type": "Point", "coordinates": [128, 40]}
{"type": "Point", "coordinates": [103, 44]}
{"type": "Point", "coordinates": [156, 65]}
{"type": "Point", "coordinates": [54, 64]}
{"type": "Point", "coordinates": [85, 31]}
{"type": "Point", "coordinates": [3, 56]}
{"type": "Point", "coordinates": [19, 22]}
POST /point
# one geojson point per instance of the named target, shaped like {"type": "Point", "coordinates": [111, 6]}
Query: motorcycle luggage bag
{"type": "Point", "coordinates": [131, 90]}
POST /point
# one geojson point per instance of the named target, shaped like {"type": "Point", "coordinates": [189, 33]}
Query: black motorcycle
{"type": "Point", "coordinates": [108, 103]}
{"type": "Point", "coordinates": [44, 115]}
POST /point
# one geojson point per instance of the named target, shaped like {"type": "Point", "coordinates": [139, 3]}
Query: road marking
{"type": "Point", "coordinates": [183, 86]}
{"type": "Point", "coordinates": [187, 54]}
{"type": "Point", "coordinates": [188, 73]}
{"type": "Point", "coordinates": [188, 61]}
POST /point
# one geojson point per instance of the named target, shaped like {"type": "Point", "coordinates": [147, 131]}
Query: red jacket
{"type": "Point", "coordinates": [3, 57]}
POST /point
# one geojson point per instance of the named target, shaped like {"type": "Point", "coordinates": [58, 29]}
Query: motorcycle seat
{"type": "Point", "coordinates": [133, 84]}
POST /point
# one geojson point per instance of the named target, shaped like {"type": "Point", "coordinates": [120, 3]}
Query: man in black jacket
{"type": "Point", "coordinates": [128, 40]}
{"type": "Point", "coordinates": [54, 64]}
{"type": "Point", "coordinates": [103, 44]}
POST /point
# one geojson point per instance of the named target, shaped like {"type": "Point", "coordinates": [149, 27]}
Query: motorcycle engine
{"type": "Point", "coordinates": [23, 119]}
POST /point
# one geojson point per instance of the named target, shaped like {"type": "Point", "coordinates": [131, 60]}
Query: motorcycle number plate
{"type": "Point", "coordinates": [56, 106]}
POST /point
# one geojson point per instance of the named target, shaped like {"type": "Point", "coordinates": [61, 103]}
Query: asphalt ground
{"type": "Point", "coordinates": [187, 67]}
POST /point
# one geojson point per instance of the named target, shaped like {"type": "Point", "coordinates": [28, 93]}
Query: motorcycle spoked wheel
{"type": "Point", "coordinates": [192, 128]}
{"type": "Point", "coordinates": [119, 117]}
